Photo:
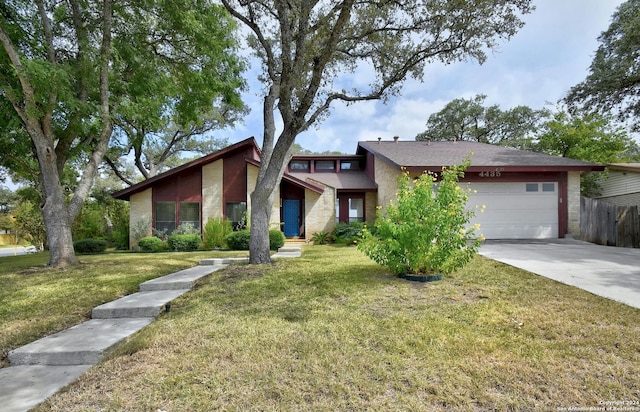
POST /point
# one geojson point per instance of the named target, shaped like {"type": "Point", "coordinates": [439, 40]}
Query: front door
{"type": "Point", "coordinates": [291, 217]}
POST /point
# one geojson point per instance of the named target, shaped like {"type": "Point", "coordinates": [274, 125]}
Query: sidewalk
{"type": "Point", "coordinates": [41, 368]}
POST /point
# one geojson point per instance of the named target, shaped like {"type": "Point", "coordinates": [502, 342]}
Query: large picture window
{"type": "Point", "coordinates": [236, 212]}
{"type": "Point", "coordinates": [170, 215]}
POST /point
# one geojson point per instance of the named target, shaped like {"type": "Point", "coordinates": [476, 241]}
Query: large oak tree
{"type": "Point", "coordinates": [69, 68]}
{"type": "Point", "coordinates": [309, 49]}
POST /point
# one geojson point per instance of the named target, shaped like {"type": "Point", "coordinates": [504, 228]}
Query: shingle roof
{"type": "Point", "coordinates": [438, 154]}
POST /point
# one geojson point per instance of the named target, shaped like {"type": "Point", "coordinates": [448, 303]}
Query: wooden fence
{"type": "Point", "coordinates": [607, 224]}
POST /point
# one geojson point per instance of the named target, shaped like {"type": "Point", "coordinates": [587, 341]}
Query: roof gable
{"type": "Point", "coordinates": [247, 144]}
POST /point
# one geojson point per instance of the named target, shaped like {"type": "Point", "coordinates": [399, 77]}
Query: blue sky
{"type": "Point", "coordinates": [549, 55]}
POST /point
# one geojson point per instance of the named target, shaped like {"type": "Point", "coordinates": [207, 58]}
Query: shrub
{"type": "Point", "coordinates": [215, 233]}
{"type": "Point", "coordinates": [348, 233]}
{"type": "Point", "coordinates": [276, 239]}
{"type": "Point", "coordinates": [322, 238]}
{"type": "Point", "coordinates": [151, 244]}
{"type": "Point", "coordinates": [427, 230]}
{"type": "Point", "coordinates": [186, 229]}
{"type": "Point", "coordinates": [239, 240]}
{"type": "Point", "coordinates": [184, 242]}
{"type": "Point", "coordinates": [90, 246]}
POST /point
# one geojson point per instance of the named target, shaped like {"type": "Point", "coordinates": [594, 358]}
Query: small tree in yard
{"type": "Point", "coordinates": [427, 230]}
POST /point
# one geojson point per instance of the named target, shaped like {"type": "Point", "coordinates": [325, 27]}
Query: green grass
{"type": "Point", "coordinates": [38, 301]}
{"type": "Point", "coordinates": [333, 331]}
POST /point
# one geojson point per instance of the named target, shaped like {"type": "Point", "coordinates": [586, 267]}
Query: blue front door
{"type": "Point", "coordinates": [291, 217]}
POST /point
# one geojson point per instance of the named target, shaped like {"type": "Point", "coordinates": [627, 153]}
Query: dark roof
{"type": "Point", "coordinates": [434, 155]}
{"type": "Point", "coordinates": [347, 180]}
{"type": "Point", "coordinates": [126, 193]}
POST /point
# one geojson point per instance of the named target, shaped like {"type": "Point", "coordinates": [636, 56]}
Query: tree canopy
{"type": "Point", "coordinates": [68, 69]}
{"type": "Point", "coordinates": [613, 82]}
{"type": "Point", "coordinates": [470, 120]}
{"type": "Point", "coordinates": [310, 50]}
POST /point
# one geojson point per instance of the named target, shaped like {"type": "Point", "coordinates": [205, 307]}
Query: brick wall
{"type": "Point", "coordinates": [140, 214]}
{"type": "Point", "coordinates": [212, 206]}
{"type": "Point", "coordinates": [320, 211]}
{"type": "Point", "coordinates": [573, 203]}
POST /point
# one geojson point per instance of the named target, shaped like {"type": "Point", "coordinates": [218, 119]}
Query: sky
{"type": "Point", "coordinates": [536, 67]}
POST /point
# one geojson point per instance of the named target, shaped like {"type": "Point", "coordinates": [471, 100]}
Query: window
{"type": "Point", "coordinates": [299, 166]}
{"type": "Point", "coordinates": [166, 217]}
{"type": "Point", "coordinates": [350, 209]}
{"type": "Point", "coordinates": [325, 165]}
{"type": "Point", "coordinates": [190, 213]}
{"type": "Point", "coordinates": [548, 187]}
{"type": "Point", "coordinates": [356, 210]}
{"type": "Point", "coordinates": [532, 187]}
{"type": "Point", "coordinates": [349, 165]}
{"type": "Point", "coordinates": [236, 212]}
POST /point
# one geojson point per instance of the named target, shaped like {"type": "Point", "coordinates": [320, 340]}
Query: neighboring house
{"type": "Point", "coordinates": [621, 186]}
{"type": "Point", "coordinates": [526, 194]}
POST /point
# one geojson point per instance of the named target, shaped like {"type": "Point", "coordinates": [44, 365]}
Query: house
{"type": "Point", "coordinates": [526, 194]}
{"type": "Point", "coordinates": [621, 186]}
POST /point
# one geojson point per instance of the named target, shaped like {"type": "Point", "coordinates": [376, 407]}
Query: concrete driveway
{"type": "Point", "coordinates": [606, 271]}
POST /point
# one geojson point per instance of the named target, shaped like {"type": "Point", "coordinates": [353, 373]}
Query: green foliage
{"type": "Point", "coordinates": [239, 240]}
{"type": "Point", "coordinates": [6, 223]}
{"type": "Point", "coordinates": [348, 233]}
{"type": "Point", "coordinates": [426, 231]}
{"type": "Point", "coordinates": [322, 238]}
{"type": "Point", "coordinates": [90, 223]}
{"type": "Point", "coordinates": [184, 242]}
{"type": "Point", "coordinates": [613, 82]}
{"type": "Point", "coordinates": [29, 223]}
{"type": "Point", "coordinates": [151, 244]}
{"type": "Point", "coordinates": [468, 119]}
{"type": "Point", "coordinates": [140, 230]}
{"type": "Point", "coordinates": [90, 246]}
{"type": "Point", "coordinates": [215, 233]}
{"type": "Point", "coordinates": [186, 229]}
{"type": "Point", "coordinates": [276, 239]}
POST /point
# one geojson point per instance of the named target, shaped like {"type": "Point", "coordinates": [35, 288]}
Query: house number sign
{"type": "Point", "coordinates": [491, 173]}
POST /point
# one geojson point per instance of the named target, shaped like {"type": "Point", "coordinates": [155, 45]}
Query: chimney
{"type": "Point", "coordinates": [379, 139]}
{"type": "Point", "coordinates": [395, 138]}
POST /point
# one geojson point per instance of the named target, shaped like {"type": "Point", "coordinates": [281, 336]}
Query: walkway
{"type": "Point", "coordinates": [41, 368]}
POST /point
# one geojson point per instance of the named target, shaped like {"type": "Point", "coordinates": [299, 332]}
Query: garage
{"type": "Point", "coordinates": [516, 210]}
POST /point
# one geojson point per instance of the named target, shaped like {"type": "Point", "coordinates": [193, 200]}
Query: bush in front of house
{"type": "Point", "coordinates": [151, 244]}
{"type": "Point", "coordinates": [276, 239]}
{"type": "Point", "coordinates": [348, 233]}
{"type": "Point", "coordinates": [215, 233]}
{"type": "Point", "coordinates": [427, 229]}
{"type": "Point", "coordinates": [90, 246]}
{"type": "Point", "coordinates": [239, 240]}
{"type": "Point", "coordinates": [184, 243]}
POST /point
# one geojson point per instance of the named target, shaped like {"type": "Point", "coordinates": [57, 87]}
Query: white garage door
{"type": "Point", "coordinates": [516, 210]}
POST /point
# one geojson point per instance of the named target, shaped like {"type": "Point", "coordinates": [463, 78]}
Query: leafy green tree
{"type": "Point", "coordinates": [68, 69]}
{"type": "Point", "coordinates": [308, 50]}
{"type": "Point", "coordinates": [426, 230]}
{"type": "Point", "coordinates": [588, 137]}
{"type": "Point", "coordinates": [8, 199]}
{"type": "Point", "coordinates": [29, 223]}
{"type": "Point", "coordinates": [470, 120]}
{"type": "Point", "coordinates": [613, 82]}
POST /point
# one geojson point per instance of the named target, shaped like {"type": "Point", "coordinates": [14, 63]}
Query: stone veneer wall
{"type": "Point", "coordinates": [320, 211]}
{"type": "Point", "coordinates": [371, 207]}
{"type": "Point", "coordinates": [252, 178]}
{"type": "Point", "coordinates": [140, 212]}
{"type": "Point", "coordinates": [573, 203]}
{"type": "Point", "coordinates": [212, 184]}
{"type": "Point", "coordinates": [387, 180]}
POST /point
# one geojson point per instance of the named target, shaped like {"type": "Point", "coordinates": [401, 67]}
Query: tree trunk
{"type": "Point", "coordinates": [261, 204]}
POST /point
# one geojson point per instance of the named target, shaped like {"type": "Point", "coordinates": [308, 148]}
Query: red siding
{"type": "Point", "coordinates": [235, 177]}
{"type": "Point", "coordinates": [183, 187]}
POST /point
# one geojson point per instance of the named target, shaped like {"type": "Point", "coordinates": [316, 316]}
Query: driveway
{"type": "Point", "coordinates": [607, 271]}
{"type": "Point", "coordinates": [16, 250]}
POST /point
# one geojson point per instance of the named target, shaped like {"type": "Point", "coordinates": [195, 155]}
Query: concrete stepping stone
{"type": "Point", "coordinates": [83, 344]}
{"type": "Point", "coordinates": [183, 279]}
{"type": "Point", "coordinates": [137, 305]}
{"type": "Point", "coordinates": [23, 387]}
{"type": "Point", "coordinates": [224, 261]}
{"type": "Point", "coordinates": [288, 252]}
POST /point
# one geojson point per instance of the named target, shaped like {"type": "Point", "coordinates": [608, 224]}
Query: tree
{"type": "Point", "coordinates": [470, 120]}
{"type": "Point", "coordinates": [67, 69]}
{"type": "Point", "coordinates": [307, 50]}
{"type": "Point", "coordinates": [613, 81]}
{"type": "Point", "coordinates": [588, 137]}
{"type": "Point", "coordinates": [29, 223]}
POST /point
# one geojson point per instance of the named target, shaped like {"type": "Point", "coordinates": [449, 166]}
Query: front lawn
{"type": "Point", "coordinates": [38, 301]}
{"type": "Point", "coordinates": [333, 331]}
